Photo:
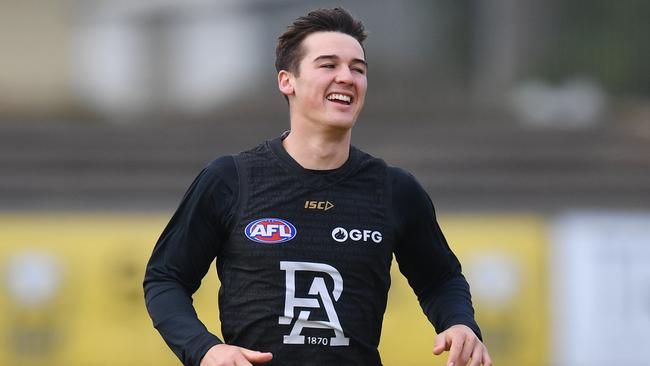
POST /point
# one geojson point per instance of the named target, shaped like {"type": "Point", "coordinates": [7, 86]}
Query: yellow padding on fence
{"type": "Point", "coordinates": [503, 258]}
{"type": "Point", "coordinates": [71, 291]}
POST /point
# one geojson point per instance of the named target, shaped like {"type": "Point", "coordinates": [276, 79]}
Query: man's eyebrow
{"type": "Point", "coordinates": [335, 57]}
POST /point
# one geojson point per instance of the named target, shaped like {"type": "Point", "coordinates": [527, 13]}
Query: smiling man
{"type": "Point", "coordinates": [326, 92]}
{"type": "Point", "coordinates": [304, 228]}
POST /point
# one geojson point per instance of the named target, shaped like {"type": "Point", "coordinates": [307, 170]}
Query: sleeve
{"type": "Point", "coordinates": [182, 257]}
{"type": "Point", "coordinates": [425, 259]}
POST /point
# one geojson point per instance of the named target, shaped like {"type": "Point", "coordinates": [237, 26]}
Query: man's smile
{"type": "Point", "coordinates": [340, 98]}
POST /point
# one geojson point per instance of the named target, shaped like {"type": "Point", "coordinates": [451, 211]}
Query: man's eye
{"type": "Point", "coordinates": [359, 70]}
{"type": "Point", "coordinates": [329, 66]}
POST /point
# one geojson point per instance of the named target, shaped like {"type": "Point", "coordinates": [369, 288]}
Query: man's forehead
{"type": "Point", "coordinates": [332, 44]}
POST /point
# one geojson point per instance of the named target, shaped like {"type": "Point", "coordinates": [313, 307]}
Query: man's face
{"type": "Point", "coordinates": [331, 88]}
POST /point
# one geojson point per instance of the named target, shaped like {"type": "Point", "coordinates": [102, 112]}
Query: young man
{"type": "Point", "coordinates": [304, 228]}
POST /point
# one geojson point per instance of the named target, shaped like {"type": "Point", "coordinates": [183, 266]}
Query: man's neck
{"type": "Point", "coordinates": [323, 151]}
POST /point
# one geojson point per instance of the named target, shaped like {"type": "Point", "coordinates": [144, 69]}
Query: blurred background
{"type": "Point", "coordinates": [528, 122]}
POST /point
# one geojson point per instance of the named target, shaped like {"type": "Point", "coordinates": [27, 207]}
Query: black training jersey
{"type": "Point", "coordinates": [307, 283]}
{"type": "Point", "coordinates": [303, 258]}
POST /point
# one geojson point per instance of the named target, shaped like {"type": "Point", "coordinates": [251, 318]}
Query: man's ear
{"type": "Point", "coordinates": [285, 82]}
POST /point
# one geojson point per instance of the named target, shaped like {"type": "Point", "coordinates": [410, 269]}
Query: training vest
{"type": "Point", "coordinates": [305, 271]}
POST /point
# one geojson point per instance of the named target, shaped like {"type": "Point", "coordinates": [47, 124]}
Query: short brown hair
{"type": "Point", "coordinates": [289, 52]}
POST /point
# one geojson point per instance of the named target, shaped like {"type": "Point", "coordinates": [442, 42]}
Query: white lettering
{"type": "Point", "coordinates": [318, 288]}
{"type": "Point", "coordinates": [285, 232]}
{"type": "Point", "coordinates": [366, 235]}
{"type": "Point", "coordinates": [258, 230]}
{"type": "Point", "coordinates": [341, 235]}
{"type": "Point", "coordinates": [271, 228]}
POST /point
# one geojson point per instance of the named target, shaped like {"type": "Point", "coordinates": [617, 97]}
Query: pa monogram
{"type": "Point", "coordinates": [318, 288]}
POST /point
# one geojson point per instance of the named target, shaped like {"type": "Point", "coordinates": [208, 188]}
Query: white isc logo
{"type": "Point", "coordinates": [319, 288]}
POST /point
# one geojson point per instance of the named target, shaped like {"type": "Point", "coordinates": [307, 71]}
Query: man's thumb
{"type": "Point", "coordinates": [439, 344]}
{"type": "Point", "coordinates": [255, 356]}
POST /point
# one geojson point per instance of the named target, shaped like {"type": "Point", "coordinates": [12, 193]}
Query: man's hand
{"type": "Point", "coordinates": [225, 355]}
{"type": "Point", "coordinates": [463, 345]}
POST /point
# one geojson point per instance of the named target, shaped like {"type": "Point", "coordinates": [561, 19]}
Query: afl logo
{"type": "Point", "coordinates": [270, 231]}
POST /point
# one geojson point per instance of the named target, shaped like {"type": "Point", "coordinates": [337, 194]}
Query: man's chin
{"type": "Point", "coordinates": [344, 122]}
{"type": "Point", "coordinates": [343, 125]}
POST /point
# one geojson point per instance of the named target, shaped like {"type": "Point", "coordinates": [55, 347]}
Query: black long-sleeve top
{"type": "Point", "coordinates": [303, 258]}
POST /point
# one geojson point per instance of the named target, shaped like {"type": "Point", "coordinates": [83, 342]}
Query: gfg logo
{"type": "Point", "coordinates": [341, 235]}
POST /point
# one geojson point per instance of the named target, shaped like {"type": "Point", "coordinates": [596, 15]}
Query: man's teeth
{"type": "Point", "coordinates": [341, 97]}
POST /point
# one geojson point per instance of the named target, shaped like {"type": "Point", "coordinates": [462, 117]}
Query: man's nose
{"type": "Point", "coordinates": [344, 76]}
